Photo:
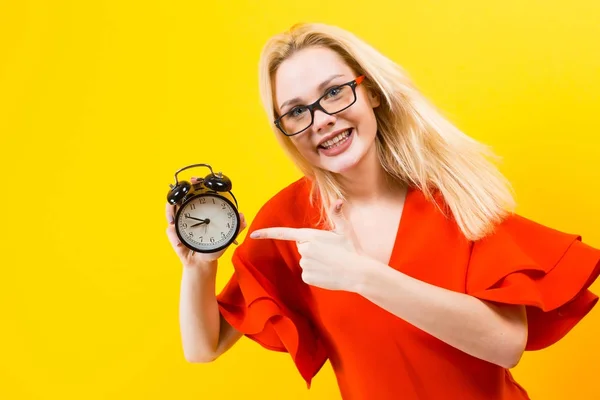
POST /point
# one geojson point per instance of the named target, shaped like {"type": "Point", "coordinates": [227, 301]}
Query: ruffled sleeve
{"type": "Point", "coordinates": [549, 271]}
{"type": "Point", "coordinates": [264, 300]}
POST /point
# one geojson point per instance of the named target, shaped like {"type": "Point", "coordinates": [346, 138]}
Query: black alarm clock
{"type": "Point", "coordinates": [207, 218]}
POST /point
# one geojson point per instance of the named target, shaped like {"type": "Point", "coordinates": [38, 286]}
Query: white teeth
{"type": "Point", "coordinates": [342, 137]}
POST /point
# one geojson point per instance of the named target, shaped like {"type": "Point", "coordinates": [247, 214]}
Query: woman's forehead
{"type": "Point", "coordinates": [303, 74]}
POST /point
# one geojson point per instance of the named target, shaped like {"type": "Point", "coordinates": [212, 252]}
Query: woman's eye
{"type": "Point", "coordinates": [297, 111]}
{"type": "Point", "coordinates": [333, 92]}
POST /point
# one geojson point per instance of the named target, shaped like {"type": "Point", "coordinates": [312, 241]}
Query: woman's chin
{"type": "Point", "coordinates": [342, 164]}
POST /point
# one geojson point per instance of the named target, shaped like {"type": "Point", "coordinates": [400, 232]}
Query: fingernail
{"type": "Point", "coordinates": [254, 235]}
{"type": "Point", "coordinates": [172, 221]}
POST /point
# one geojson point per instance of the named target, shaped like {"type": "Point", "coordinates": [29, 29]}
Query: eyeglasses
{"type": "Point", "coordinates": [335, 100]}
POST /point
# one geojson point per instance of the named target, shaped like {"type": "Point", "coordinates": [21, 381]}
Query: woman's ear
{"type": "Point", "coordinates": [374, 98]}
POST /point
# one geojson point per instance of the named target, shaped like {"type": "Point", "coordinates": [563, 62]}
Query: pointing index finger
{"type": "Point", "coordinates": [282, 233]}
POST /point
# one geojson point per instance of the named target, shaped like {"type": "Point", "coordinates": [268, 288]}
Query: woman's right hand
{"type": "Point", "coordinates": [188, 257]}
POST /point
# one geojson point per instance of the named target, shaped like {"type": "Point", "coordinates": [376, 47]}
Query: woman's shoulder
{"type": "Point", "coordinates": [526, 230]}
{"type": "Point", "coordinates": [293, 193]}
{"type": "Point", "coordinates": [290, 205]}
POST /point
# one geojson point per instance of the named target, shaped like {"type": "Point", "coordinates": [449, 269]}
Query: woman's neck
{"type": "Point", "coordinates": [367, 181]}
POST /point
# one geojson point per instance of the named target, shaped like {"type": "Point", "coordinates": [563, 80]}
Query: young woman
{"type": "Point", "coordinates": [398, 256]}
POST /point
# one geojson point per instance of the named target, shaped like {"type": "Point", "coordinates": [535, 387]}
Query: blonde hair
{"type": "Point", "coordinates": [415, 143]}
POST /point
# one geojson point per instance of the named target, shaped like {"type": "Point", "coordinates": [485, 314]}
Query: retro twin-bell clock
{"type": "Point", "coordinates": [207, 218]}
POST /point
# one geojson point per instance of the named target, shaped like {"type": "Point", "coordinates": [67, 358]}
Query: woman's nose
{"type": "Point", "coordinates": [322, 120]}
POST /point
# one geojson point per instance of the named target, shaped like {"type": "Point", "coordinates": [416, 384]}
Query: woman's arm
{"type": "Point", "coordinates": [492, 332]}
{"type": "Point", "coordinates": [205, 333]}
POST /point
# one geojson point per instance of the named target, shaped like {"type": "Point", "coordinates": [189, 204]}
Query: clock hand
{"type": "Point", "coordinates": [206, 221]}
{"type": "Point", "coordinates": [197, 219]}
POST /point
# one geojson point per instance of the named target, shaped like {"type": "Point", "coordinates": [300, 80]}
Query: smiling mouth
{"type": "Point", "coordinates": [336, 141]}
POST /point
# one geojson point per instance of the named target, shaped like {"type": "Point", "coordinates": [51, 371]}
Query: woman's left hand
{"type": "Point", "coordinates": [329, 259]}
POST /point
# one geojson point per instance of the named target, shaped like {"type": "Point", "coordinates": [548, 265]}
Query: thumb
{"type": "Point", "coordinates": [337, 217]}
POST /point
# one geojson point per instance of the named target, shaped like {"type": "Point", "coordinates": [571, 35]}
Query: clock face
{"type": "Point", "coordinates": [207, 223]}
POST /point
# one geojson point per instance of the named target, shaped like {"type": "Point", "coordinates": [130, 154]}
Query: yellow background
{"type": "Point", "coordinates": [100, 103]}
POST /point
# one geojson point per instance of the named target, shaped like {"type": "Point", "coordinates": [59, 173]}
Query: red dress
{"type": "Point", "coordinates": [376, 355]}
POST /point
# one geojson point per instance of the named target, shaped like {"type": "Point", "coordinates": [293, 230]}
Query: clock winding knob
{"type": "Point", "coordinates": [218, 182]}
{"type": "Point", "coordinates": [178, 192]}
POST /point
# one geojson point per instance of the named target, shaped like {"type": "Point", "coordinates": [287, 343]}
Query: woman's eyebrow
{"type": "Point", "coordinates": [320, 87]}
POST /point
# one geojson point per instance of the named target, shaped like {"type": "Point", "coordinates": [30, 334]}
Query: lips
{"type": "Point", "coordinates": [339, 146]}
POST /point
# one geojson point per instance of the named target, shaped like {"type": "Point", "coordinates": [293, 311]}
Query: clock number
{"type": "Point", "coordinates": [212, 239]}
{"type": "Point", "coordinates": [228, 226]}
{"type": "Point", "coordinates": [214, 201]}
{"type": "Point", "coordinates": [184, 225]}
{"type": "Point", "coordinates": [201, 239]}
{"type": "Point", "coordinates": [187, 215]}
{"type": "Point", "coordinates": [222, 235]}
{"type": "Point", "coordinates": [192, 206]}
{"type": "Point", "coordinates": [191, 234]}
{"type": "Point", "coordinates": [223, 206]}
{"type": "Point", "coordinates": [202, 200]}
{"type": "Point", "coordinates": [230, 214]}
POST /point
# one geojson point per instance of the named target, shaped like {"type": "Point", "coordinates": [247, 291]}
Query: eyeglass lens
{"type": "Point", "coordinates": [300, 118]}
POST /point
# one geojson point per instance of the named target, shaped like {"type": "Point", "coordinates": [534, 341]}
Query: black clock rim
{"type": "Point", "coordinates": [210, 194]}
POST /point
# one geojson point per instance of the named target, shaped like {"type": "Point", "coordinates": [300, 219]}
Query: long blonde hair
{"type": "Point", "coordinates": [415, 143]}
